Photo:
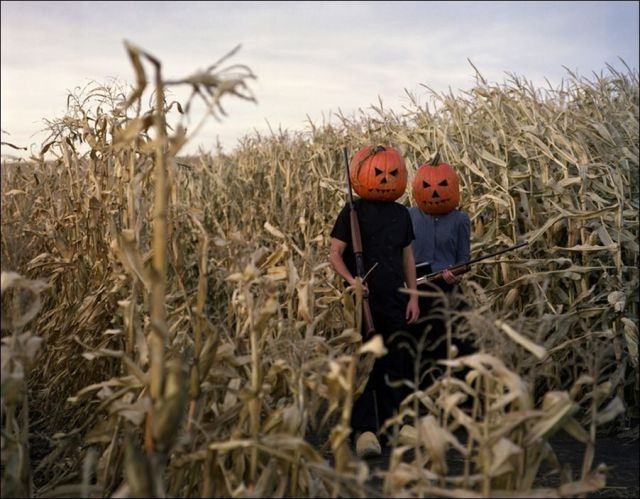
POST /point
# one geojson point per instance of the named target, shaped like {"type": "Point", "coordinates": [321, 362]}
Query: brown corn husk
{"type": "Point", "coordinates": [220, 260]}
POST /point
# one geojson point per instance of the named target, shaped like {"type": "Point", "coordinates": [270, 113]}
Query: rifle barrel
{"type": "Point", "coordinates": [510, 248]}
{"type": "Point", "coordinates": [356, 242]}
{"type": "Point", "coordinates": [346, 163]}
{"type": "Point", "coordinates": [433, 275]}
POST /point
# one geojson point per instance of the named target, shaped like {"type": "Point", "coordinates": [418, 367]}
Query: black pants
{"type": "Point", "coordinates": [379, 401]}
{"type": "Point", "coordinates": [432, 330]}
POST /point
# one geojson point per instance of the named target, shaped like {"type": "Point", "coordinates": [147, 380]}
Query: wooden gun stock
{"type": "Point", "coordinates": [357, 250]}
{"type": "Point", "coordinates": [367, 317]}
{"type": "Point", "coordinates": [455, 270]}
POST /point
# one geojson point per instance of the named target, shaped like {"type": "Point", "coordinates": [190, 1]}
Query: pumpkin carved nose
{"type": "Point", "coordinates": [384, 180]}
{"type": "Point", "coordinates": [435, 194]}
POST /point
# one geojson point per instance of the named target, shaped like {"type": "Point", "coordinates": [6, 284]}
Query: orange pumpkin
{"type": "Point", "coordinates": [436, 188]}
{"type": "Point", "coordinates": [378, 173]}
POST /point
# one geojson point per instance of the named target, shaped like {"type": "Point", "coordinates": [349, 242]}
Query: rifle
{"type": "Point", "coordinates": [461, 268]}
{"type": "Point", "coordinates": [356, 241]}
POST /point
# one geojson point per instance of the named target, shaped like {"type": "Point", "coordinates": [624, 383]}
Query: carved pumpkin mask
{"type": "Point", "coordinates": [436, 188]}
{"type": "Point", "coordinates": [378, 174]}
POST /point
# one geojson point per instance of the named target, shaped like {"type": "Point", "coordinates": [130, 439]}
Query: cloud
{"type": "Point", "coordinates": [310, 57]}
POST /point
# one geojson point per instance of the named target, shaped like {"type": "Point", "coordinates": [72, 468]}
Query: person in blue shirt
{"type": "Point", "coordinates": [442, 238]}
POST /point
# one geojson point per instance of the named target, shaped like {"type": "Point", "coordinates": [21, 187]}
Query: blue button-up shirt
{"type": "Point", "coordinates": [441, 240]}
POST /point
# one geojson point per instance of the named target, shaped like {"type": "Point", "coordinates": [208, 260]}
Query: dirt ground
{"type": "Point", "coordinates": [621, 457]}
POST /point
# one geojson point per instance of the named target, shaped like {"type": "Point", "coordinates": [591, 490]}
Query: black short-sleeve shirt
{"type": "Point", "coordinates": [385, 229]}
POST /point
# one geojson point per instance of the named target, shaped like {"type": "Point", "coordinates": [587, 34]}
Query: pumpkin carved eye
{"type": "Point", "coordinates": [394, 172]}
{"type": "Point", "coordinates": [444, 183]}
{"type": "Point", "coordinates": [425, 184]}
{"type": "Point", "coordinates": [378, 171]}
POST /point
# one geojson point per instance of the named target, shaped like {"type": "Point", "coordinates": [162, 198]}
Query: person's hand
{"type": "Point", "coordinates": [449, 277]}
{"type": "Point", "coordinates": [413, 310]}
{"type": "Point", "coordinates": [365, 289]}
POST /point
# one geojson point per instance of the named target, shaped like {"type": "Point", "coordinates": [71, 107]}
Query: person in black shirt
{"type": "Point", "coordinates": [386, 233]}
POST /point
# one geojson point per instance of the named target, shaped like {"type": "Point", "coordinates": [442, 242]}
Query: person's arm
{"type": "Point", "coordinates": [463, 242]}
{"type": "Point", "coordinates": [340, 235]}
{"type": "Point", "coordinates": [409, 270]}
{"type": "Point", "coordinates": [463, 248]}
{"type": "Point", "coordinates": [337, 262]}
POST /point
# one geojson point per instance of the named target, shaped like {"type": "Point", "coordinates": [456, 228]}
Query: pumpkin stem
{"type": "Point", "coordinates": [372, 152]}
{"type": "Point", "coordinates": [436, 159]}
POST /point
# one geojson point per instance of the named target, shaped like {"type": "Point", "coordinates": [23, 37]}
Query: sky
{"type": "Point", "coordinates": [310, 58]}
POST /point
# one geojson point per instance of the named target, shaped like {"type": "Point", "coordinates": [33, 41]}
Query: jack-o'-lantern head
{"type": "Point", "coordinates": [436, 188]}
{"type": "Point", "coordinates": [378, 173]}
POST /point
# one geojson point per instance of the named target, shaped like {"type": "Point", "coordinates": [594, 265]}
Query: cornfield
{"type": "Point", "coordinates": [171, 325]}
